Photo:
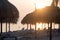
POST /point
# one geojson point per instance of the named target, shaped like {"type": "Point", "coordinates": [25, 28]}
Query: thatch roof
{"type": "Point", "coordinates": [45, 15]}
{"type": "Point", "coordinates": [8, 12]}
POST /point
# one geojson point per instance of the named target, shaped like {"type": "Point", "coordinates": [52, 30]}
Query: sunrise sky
{"type": "Point", "coordinates": [24, 7]}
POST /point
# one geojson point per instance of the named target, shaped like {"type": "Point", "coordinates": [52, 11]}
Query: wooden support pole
{"type": "Point", "coordinates": [9, 26]}
{"type": "Point", "coordinates": [30, 28]}
{"type": "Point", "coordinates": [1, 26]}
{"type": "Point", "coordinates": [27, 26]}
{"type": "Point", "coordinates": [51, 31]}
{"type": "Point", "coordinates": [6, 26]}
{"type": "Point", "coordinates": [35, 30]}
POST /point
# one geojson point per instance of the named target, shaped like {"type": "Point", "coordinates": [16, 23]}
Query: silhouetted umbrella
{"type": "Point", "coordinates": [8, 13]}
{"type": "Point", "coordinates": [46, 15]}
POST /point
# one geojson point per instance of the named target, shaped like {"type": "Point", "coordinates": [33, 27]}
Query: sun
{"type": "Point", "coordinates": [43, 3]}
{"type": "Point", "coordinates": [38, 5]}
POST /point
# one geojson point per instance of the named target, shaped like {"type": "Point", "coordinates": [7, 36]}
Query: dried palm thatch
{"type": "Point", "coordinates": [8, 13]}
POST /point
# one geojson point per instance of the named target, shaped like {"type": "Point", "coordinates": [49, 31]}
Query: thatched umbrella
{"type": "Point", "coordinates": [46, 15]}
{"type": "Point", "coordinates": [8, 13]}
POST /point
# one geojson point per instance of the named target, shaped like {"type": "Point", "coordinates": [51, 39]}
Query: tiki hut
{"type": "Point", "coordinates": [8, 13]}
{"type": "Point", "coordinates": [48, 14]}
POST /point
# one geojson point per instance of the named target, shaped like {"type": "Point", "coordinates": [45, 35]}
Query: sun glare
{"type": "Point", "coordinates": [43, 26]}
{"type": "Point", "coordinates": [42, 3]}
{"type": "Point", "coordinates": [40, 25]}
